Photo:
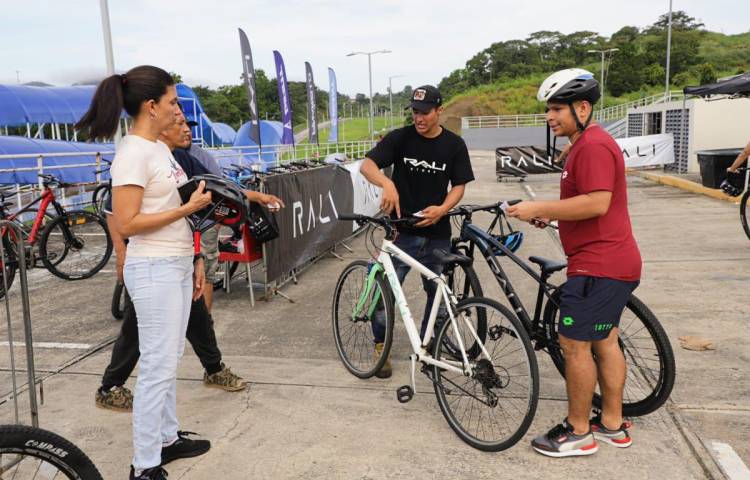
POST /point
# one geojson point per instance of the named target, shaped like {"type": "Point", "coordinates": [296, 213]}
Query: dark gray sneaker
{"type": "Point", "coordinates": [156, 473]}
{"type": "Point", "coordinates": [619, 438]}
{"type": "Point", "coordinates": [184, 447]}
{"type": "Point", "coordinates": [560, 441]}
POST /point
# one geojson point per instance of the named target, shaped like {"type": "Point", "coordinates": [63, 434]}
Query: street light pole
{"type": "Point", "coordinates": [390, 95]}
{"type": "Point", "coordinates": [669, 49]}
{"type": "Point", "coordinates": [18, 77]}
{"type": "Point", "coordinates": [107, 31]}
{"type": "Point", "coordinates": [603, 53]}
{"type": "Point", "coordinates": [369, 69]}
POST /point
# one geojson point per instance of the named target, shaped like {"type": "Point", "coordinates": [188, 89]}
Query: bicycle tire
{"type": "Point", "coordinates": [464, 283]}
{"type": "Point", "coordinates": [48, 447]}
{"type": "Point", "coordinates": [743, 213]}
{"type": "Point", "coordinates": [63, 226]}
{"type": "Point", "coordinates": [504, 326]}
{"type": "Point", "coordinates": [98, 196]}
{"type": "Point", "coordinates": [362, 328]}
{"type": "Point", "coordinates": [118, 297]}
{"type": "Point", "coordinates": [659, 381]}
{"type": "Point", "coordinates": [11, 263]}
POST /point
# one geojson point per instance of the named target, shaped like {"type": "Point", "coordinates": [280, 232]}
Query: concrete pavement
{"type": "Point", "coordinates": [305, 416]}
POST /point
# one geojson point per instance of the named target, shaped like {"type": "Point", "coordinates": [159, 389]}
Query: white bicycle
{"type": "Point", "coordinates": [481, 362]}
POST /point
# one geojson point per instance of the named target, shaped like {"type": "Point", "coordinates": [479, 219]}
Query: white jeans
{"type": "Point", "coordinates": [161, 289]}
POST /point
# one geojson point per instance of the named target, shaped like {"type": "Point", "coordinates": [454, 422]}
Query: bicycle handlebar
{"type": "Point", "coordinates": [384, 221]}
{"type": "Point", "coordinates": [465, 210]}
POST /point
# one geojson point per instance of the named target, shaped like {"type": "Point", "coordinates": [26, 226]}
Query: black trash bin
{"type": "Point", "coordinates": [714, 164]}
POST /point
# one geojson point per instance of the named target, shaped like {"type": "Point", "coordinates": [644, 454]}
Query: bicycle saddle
{"type": "Point", "coordinates": [548, 266]}
{"type": "Point", "coordinates": [448, 258]}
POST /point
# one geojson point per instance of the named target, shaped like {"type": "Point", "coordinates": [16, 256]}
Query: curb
{"type": "Point", "coordinates": [684, 184]}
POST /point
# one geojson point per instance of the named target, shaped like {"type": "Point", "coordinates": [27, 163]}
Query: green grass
{"type": "Point", "coordinates": [356, 129]}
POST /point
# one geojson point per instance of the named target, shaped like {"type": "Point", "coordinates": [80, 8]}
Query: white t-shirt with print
{"type": "Point", "coordinates": [151, 165]}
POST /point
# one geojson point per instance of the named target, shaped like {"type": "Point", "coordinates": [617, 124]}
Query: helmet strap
{"type": "Point", "coordinates": [581, 126]}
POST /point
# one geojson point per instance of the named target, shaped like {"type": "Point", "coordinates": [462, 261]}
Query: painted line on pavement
{"type": "Point", "coordinates": [68, 346]}
{"type": "Point", "coordinates": [729, 462]}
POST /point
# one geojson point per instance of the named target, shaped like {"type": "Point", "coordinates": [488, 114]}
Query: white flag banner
{"type": "Point", "coordinates": [366, 195]}
{"type": "Point", "coordinates": [648, 150]}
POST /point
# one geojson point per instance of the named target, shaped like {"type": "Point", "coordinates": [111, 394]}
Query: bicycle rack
{"type": "Point", "coordinates": [28, 337]}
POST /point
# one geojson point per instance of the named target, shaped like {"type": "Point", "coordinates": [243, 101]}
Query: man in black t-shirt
{"type": "Point", "coordinates": [427, 159]}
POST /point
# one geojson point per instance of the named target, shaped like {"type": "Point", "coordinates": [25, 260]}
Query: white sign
{"type": "Point", "coordinates": [648, 150]}
{"type": "Point", "coordinates": [366, 195]}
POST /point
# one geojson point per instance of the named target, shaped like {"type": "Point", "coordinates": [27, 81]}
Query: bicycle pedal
{"type": "Point", "coordinates": [404, 394]}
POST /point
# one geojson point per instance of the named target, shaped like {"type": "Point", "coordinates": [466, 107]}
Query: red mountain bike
{"type": "Point", "coordinates": [72, 245]}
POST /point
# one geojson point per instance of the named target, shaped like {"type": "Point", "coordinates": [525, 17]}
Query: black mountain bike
{"type": "Point", "coordinates": [28, 452]}
{"type": "Point", "coordinates": [645, 345]}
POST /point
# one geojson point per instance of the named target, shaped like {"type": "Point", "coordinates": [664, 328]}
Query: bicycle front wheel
{"type": "Point", "coordinates": [9, 262]}
{"type": "Point", "coordinates": [27, 452]}
{"type": "Point", "coordinates": [648, 356]}
{"type": "Point", "coordinates": [743, 213]}
{"type": "Point", "coordinates": [358, 302]}
{"type": "Point", "coordinates": [493, 407]}
{"type": "Point", "coordinates": [85, 241]}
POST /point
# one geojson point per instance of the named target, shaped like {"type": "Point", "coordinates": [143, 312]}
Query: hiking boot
{"type": "Point", "coordinates": [225, 380]}
{"type": "Point", "coordinates": [156, 473]}
{"type": "Point", "coordinates": [386, 370]}
{"type": "Point", "coordinates": [560, 441]}
{"type": "Point", "coordinates": [184, 447]}
{"type": "Point", "coordinates": [619, 438]}
{"type": "Point", "coordinates": [118, 399]}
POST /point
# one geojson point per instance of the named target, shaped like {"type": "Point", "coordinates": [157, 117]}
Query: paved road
{"type": "Point", "coordinates": [305, 417]}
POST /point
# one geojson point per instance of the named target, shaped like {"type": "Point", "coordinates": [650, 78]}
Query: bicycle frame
{"type": "Point", "coordinates": [443, 295]}
{"type": "Point", "coordinates": [487, 244]}
{"type": "Point", "coordinates": [47, 198]}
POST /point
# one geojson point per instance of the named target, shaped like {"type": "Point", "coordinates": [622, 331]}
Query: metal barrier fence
{"type": "Point", "coordinates": [615, 112]}
{"type": "Point", "coordinates": [270, 155]}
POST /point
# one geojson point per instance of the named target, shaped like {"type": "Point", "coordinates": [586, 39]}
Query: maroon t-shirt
{"type": "Point", "coordinates": [603, 246]}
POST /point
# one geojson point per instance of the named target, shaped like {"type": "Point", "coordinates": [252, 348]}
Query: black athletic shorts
{"type": "Point", "coordinates": [590, 307]}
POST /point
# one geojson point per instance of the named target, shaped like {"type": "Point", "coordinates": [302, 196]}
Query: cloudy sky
{"type": "Point", "coordinates": [60, 41]}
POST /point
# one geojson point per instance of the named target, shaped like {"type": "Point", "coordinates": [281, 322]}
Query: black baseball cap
{"type": "Point", "coordinates": [425, 98]}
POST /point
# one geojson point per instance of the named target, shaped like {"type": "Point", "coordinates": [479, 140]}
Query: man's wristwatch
{"type": "Point", "coordinates": [199, 256]}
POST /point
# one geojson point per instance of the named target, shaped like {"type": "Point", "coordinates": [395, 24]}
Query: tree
{"type": "Point", "coordinates": [624, 35]}
{"type": "Point", "coordinates": [680, 21]}
{"type": "Point", "coordinates": [626, 71]}
{"type": "Point", "coordinates": [176, 77]}
{"type": "Point", "coordinates": [706, 73]}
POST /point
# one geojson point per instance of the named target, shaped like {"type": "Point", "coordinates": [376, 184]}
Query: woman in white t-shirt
{"type": "Point", "coordinates": [162, 274]}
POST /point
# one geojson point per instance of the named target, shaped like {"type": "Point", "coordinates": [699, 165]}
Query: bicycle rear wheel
{"type": "Point", "coordinates": [648, 356]}
{"type": "Point", "coordinates": [84, 238]}
{"type": "Point", "coordinates": [743, 213]}
{"type": "Point", "coordinates": [27, 452]}
{"type": "Point", "coordinates": [493, 408]}
{"type": "Point", "coordinates": [99, 196]}
{"type": "Point", "coordinates": [353, 311]}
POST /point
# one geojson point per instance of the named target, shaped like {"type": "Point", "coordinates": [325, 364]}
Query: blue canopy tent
{"type": "Point", "coordinates": [270, 134]}
{"type": "Point", "coordinates": [24, 104]}
{"type": "Point", "coordinates": [14, 145]}
{"type": "Point", "coordinates": [212, 133]}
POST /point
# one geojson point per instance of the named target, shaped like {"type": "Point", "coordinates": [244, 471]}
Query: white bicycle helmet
{"type": "Point", "coordinates": [567, 86]}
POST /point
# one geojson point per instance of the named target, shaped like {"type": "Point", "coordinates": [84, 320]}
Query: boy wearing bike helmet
{"type": "Point", "coordinates": [604, 266]}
